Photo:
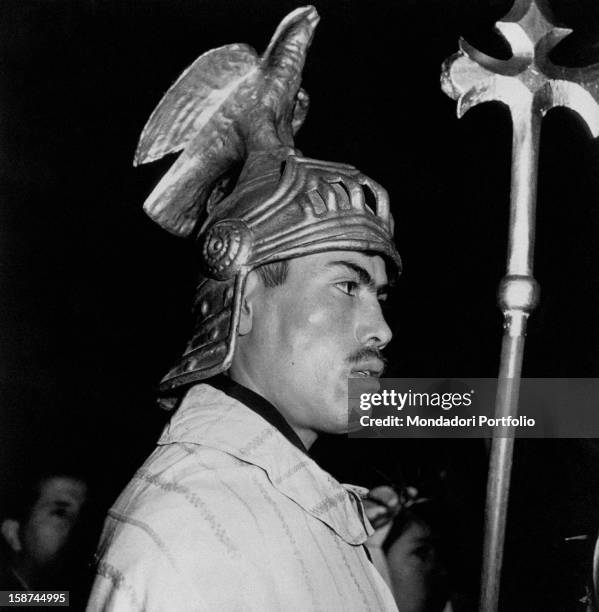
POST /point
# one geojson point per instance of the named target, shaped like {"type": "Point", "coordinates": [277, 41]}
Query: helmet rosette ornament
{"type": "Point", "coordinates": [227, 246]}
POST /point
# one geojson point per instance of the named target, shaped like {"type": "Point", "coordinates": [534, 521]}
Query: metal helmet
{"type": "Point", "coordinates": [243, 191]}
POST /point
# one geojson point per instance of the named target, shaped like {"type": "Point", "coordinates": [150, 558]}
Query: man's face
{"type": "Point", "coordinates": [46, 532]}
{"type": "Point", "coordinates": [302, 340]}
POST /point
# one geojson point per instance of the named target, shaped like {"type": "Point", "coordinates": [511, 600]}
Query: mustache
{"type": "Point", "coordinates": [366, 353]}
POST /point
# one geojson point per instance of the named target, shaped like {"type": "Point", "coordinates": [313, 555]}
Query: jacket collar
{"type": "Point", "coordinates": [212, 418]}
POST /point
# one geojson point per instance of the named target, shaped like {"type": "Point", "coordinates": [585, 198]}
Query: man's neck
{"type": "Point", "coordinates": [242, 376]}
{"type": "Point", "coordinates": [254, 400]}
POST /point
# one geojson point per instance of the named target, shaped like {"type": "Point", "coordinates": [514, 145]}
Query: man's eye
{"type": "Point", "coordinates": [348, 287]}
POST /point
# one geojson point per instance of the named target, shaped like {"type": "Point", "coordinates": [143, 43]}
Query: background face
{"type": "Point", "coordinates": [95, 298]}
{"type": "Point", "coordinates": [417, 574]}
{"type": "Point", "coordinates": [45, 535]}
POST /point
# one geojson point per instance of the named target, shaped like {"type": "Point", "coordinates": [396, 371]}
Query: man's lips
{"type": "Point", "coordinates": [372, 368]}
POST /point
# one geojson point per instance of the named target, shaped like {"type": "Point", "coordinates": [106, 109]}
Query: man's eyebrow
{"type": "Point", "coordinates": [363, 274]}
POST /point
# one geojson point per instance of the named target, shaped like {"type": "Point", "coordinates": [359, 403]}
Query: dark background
{"type": "Point", "coordinates": [94, 298]}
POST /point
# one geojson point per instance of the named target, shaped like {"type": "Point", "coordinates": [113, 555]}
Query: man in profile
{"type": "Point", "coordinates": [230, 512]}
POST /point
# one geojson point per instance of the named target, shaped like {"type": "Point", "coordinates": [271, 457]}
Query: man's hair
{"type": "Point", "coordinates": [274, 274]}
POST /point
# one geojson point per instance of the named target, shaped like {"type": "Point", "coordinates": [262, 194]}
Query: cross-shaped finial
{"type": "Point", "coordinates": [528, 79]}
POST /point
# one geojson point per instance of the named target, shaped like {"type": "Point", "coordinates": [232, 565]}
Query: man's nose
{"type": "Point", "coordinates": [372, 329]}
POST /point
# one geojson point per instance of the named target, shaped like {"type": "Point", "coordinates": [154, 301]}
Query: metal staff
{"type": "Point", "coordinates": [529, 84]}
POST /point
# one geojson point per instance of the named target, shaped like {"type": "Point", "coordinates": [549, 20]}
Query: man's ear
{"type": "Point", "coordinates": [250, 291]}
{"type": "Point", "coordinates": [10, 533]}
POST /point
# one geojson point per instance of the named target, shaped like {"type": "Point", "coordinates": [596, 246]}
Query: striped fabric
{"type": "Point", "coordinates": [227, 514]}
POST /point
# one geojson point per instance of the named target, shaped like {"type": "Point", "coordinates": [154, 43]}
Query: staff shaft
{"type": "Point", "coordinates": [498, 483]}
{"type": "Point", "coordinates": [517, 296]}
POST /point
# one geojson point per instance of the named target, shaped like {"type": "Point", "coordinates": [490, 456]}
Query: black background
{"type": "Point", "coordinates": [94, 298]}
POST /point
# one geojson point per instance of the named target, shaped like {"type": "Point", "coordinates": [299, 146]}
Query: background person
{"type": "Point", "coordinates": [46, 538]}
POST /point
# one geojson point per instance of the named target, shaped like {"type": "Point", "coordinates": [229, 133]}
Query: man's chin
{"type": "Point", "coordinates": [334, 416]}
